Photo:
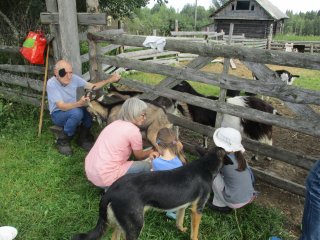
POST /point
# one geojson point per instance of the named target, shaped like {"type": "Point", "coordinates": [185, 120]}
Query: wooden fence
{"type": "Point", "coordinates": [302, 46]}
{"type": "Point", "coordinates": [297, 99]}
{"type": "Point", "coordinates": [307, 121]}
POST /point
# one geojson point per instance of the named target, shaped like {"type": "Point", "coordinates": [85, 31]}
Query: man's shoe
{"type": "Point", "coordinates": [86, 139]}
{"type": "Point", "coordinates": [64, 146]}
{"type": "Point", "coordinates": [219, 209]}
{"type": "Point", "coordinates": [57, 131]}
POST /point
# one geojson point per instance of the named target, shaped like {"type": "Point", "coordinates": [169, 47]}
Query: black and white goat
{"type": "Point", "coordinates": [254, 130]}
{"type": "Point", "coordinates": [284, 75]}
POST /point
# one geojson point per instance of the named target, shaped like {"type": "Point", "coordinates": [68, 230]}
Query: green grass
{"type": "Point", "coordinates": [47, 196]}
{"type": "Point", "coordinates": [292, 37]}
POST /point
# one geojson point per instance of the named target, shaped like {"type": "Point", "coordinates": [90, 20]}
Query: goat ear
{"type": "Point", "coordinates": [200, 150]}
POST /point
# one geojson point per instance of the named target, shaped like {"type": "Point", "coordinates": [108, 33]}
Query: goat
{"type": "Point", "coordinates": [155, 120]}
{"type": "Point", "coordinates": [284, 75]}
{"type": "Point", "coordinates": [254, 130]}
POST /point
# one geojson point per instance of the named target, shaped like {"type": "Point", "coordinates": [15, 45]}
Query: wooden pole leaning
{"type": "Point", "coordinates": [43, 91]}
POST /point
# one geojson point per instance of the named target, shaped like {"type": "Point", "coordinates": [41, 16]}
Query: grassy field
{"type": "Point", "coordinates": [47, 196]}
{"type": "Point", "coordinates": [295, 38]}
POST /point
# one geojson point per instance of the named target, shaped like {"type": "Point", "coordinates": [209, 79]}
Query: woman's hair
{"type": "Point", "coordinates": [242, 163]}
{"type": "Point", "coordinates": [131, 109]}
{"type": "Point", "coordinates": [167, 139]}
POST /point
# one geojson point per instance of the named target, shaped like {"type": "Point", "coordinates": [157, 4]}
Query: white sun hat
{"type": "Point", "coordinates": [229, 139]}
{"type": "Point", "coordinates": [8, 233]}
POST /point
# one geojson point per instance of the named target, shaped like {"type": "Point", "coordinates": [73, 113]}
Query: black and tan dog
{"type": "Point", "coordinates": [125, 202]}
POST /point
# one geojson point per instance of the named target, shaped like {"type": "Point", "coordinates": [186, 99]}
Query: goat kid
{"type": "Point", "coordinates": [123, 205]}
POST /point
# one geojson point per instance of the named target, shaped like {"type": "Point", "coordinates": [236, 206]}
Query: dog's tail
{"type": "Point", "coordinates": [101, 226]}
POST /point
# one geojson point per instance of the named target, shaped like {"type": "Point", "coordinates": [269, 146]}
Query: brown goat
{"type": "Point", "coordinates": [156, 119]}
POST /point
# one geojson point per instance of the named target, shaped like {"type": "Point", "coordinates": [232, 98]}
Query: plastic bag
{"type": "Point", "coordinates": [33, 47]}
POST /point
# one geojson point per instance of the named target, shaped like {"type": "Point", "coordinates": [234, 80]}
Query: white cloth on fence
{"type": "Point", "coordinates": [155, 42]}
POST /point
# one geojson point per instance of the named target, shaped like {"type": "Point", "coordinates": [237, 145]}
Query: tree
{"type": "Point", "coordinates": [20, 16]}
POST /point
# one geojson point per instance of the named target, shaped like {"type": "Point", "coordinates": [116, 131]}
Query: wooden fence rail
{"type": "Point", "coordinates": [254, 59]}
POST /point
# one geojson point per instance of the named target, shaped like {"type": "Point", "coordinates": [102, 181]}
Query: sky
{"type": "Point", "coordinates": [295, 5]}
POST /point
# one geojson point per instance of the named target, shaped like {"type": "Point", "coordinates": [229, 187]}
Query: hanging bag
{"type": "Point", "coordinates": [33, 47]}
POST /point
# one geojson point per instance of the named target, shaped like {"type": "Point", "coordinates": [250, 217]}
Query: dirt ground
{"type": "Point", "coordinates": [289, 204]}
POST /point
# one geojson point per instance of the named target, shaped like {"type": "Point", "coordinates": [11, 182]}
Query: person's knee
{"type": "Point", "coordinates": [77, 114]}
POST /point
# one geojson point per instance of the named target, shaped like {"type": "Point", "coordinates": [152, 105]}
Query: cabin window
{"type": "Point", "coordinates": [252, 7]}
{"type": "Point", "coordinates": [243, 5]}
{"type": "Point", "coordinates": [232, 7]}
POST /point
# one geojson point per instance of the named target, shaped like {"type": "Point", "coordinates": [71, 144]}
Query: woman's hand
{"type": "Point", "coordinates": [153, 155]}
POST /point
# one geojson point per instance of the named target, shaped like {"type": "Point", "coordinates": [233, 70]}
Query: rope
{"type": "Point", "coordinates": [238, 225]}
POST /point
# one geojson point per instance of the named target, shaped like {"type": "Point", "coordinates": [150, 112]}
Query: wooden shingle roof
{"type": "Point", "coordinates": [271, 9]}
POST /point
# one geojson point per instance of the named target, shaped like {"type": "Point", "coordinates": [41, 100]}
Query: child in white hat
{"type": "Point", "coordinates": [233, 186]}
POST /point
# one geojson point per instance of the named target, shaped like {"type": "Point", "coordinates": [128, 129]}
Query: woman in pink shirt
{"type": "Point", "coordinates": [108, 159]}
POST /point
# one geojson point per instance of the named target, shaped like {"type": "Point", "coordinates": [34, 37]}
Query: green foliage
{"type": "Point", "coordinates": [162, 18]}
{"type": "Point", "coordinates": [187, 18]}
{"type": "Point", "coordinates": [302, 24]}
{"type": "Point", "coordinates": [8, 115]}
{"type": "Point", "coordinates": [47, 196]}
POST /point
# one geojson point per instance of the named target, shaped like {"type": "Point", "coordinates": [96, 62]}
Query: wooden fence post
{"type": "Point", "coordinates": [176, 25]}
{"type": "Point", "coordinates": [223, 91]}
{"type": "Point", "coordinates": [54, 30]}
{"type": "Point", "coordinates": [70, 49]}
{"type": "Point", "coordinates": [270, 37]}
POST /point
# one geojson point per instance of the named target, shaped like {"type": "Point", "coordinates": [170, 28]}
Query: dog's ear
{"type": "Point", "coordinates": [200, 150]}
{"type": "Point", "coordinates": [221, 154]}
{"type": "Point", "coordinates": [227, 160]}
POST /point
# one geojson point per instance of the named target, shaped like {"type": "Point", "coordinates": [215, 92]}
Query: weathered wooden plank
{"type": "Point", "coordinates": [17, 96]}
{"type": "Point", "coordinates": [299, 160]}
{"type": "Point", "coordinates": [216, 50]}
{"type": "Point", "coordinates": [279, 182]}
{"type": "Point", "coordinates": [149, 53]}
{"type": "Point", "coordinates": [83, 18]}
{"type": "Point", "coordinates": [266, 74]}
{"type": "Point", "coordinates": [275, 89]}
{"type": "Point", "coordinates": [70, 49]}
{"type": "Point", "coordinates": [186, 33]}
{"type": "Point", "coordinates": [21, 81]}
{"type": "Point", "coordinates": [101, 51]}
{"type": "Point", "coordinates": [52, 7]}
{"type": "Point", "coordinates": [303, 111]}
{"type": "Point", "coordinates": [170, 82]}
{"type": "Point", "coordinates": [295, 159]}
{"type": "Point", "coordinates": [264, 177]}
{"type": "Point", "coordinates": [310, 127]}
{"type": "Point", "coordinates": [9, 49]}
{"type": "Point", "coordinates": [23, 68]}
